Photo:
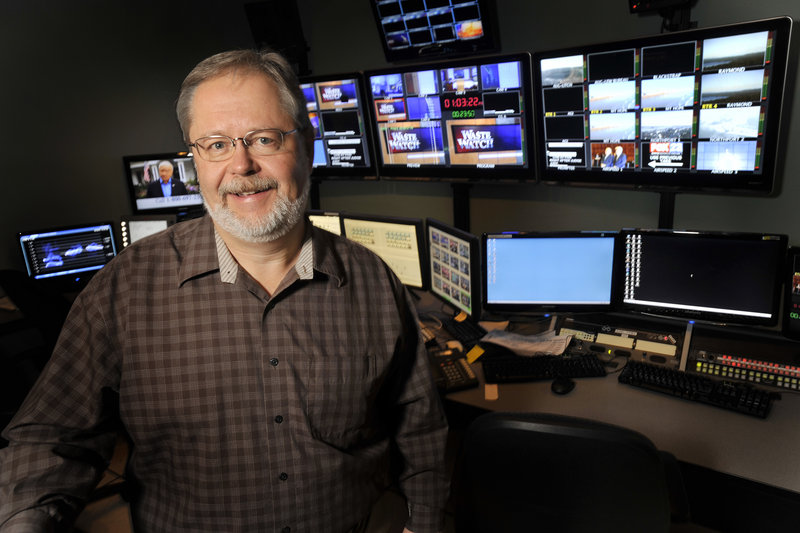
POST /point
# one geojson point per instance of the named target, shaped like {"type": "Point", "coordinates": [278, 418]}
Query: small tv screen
{"type": "Point", "coordinates": [327, 220]}
{"type": "Point", "coordinates": [467, 119]}
{"type": "Point", "coordinates": [695, 111]}
{"type": "Point", "coordinates": [415, 30]}
{"type": "Point", "coordinates": [342, 144]}
{"type": "Point", "coordinates": [163, 183]}
{"type": "Point", "coordinates": [136, 227]}
{"type": "Point", "coordinates": [455, 267]}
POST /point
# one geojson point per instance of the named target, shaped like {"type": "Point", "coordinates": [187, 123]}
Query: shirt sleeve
{"type": "Point", "coordinates": [62, 438]}
{"type": "Point", "coordinates": [421, 434]}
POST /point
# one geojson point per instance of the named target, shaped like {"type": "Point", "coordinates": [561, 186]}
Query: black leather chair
{"type": "Point", "coordinates": [520, 472]}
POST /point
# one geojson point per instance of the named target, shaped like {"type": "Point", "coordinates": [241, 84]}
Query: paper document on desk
{"type": "Point", "coordinates": [547, 343]}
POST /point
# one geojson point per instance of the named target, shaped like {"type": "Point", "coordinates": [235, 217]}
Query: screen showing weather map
{"type": "Point", "coordinates": [67, 251]}
{"type": "Point", "coordinates": [696, 108]}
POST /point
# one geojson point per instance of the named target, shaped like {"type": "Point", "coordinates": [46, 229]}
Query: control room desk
{"type": "Point", "coordinates": [764, 451]}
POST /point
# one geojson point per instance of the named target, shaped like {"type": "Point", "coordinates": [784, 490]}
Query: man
{"type": "Point", "coordinates": [270, 375]}
{"type": "Point", "coordinates": [165, 186]}
{"type": "Point", "coordinates": [619, 157]}
{"type": "Point", "coordinates": [608, 158]}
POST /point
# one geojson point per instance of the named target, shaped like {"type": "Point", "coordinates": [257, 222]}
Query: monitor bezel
{"type": "Point", "coordinates": [552, 308]}
{"type": "Point", "coordinates": [489, 42]}
{"type": "Point", "coordinates": [476, 291]}
{"type": "Point", "coordinates": [419, 225]}
{"type": "Point", "coordinates": [711, 317]}
{"type": "Point", "coordinates": [460, 173]}
{"type": "Point", "coordinates": [764, 184]}
{"type": "Point", "coordinates": [367, 172]}
{"type": "Point", "coordinates": [182, 212]}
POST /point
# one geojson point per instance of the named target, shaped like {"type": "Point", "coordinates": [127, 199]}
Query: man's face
{"type": "Point", "coordinates": [255, 198]}
{"type": "Point", "coordinates": [165, 172]}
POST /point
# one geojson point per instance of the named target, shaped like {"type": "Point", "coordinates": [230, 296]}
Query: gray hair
{"type": "Point", "coordinates": [267, 62]}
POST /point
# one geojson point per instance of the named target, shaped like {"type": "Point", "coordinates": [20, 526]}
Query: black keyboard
{"type": "Point", "coordinates": [740, 397]}
{"type": "Point", "coordinates": [467, 332]}
{"type": "Point", "coordinates": [515, 368]}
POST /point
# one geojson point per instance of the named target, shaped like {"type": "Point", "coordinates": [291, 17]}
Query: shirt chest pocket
{"type": "Point", "coordinates": [340, 401]}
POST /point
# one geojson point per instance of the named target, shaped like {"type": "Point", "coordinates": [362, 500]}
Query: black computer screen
{"type": "Point", "coordinates": [549, 272]}
{"type": "Point", "coordinates": [698, 110]}
{"type": "Point", "coordinates": [718, 277]}
{"type": "Point", "coordinates": [143, 176]}
{"type": "Point", "coordinates": [398, 241]}
{"type": "Point", "coordinates": [67, 256]}
{"type": "Point", "coordinates": [342, 143]}
{"type": "Point", "coordinates": [455, 269]}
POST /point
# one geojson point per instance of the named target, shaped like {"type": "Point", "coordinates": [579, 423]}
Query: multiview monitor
{"type": "Point", "coordinates": [65, 258]}
{"type": "Point", "coordinates": [416, 29]}
{"type": "Point", "coordinates": [336, 108]}
{"type": "Point", "coordinates": [455, 267]}
{"type": "Point", "coordinates": [460, 120]}
{"type": "Point", "coordinates": [136, 227]}
{"type": "Point", "coordinates": [398, 241]}
{"type": "Point", "coordinates": [163, 183]}
{"type": "Point", "coordinates": [327, 220]}
{"type": "Point", "coordinates": [541, 273]}
{"type": "Point", "coordinates": [715, 277]}
{"type": "Point", "coordinates": [698, 110]}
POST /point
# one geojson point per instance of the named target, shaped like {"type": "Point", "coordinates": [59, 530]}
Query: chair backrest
{"type": "Point", "coordinates": [521, 472]}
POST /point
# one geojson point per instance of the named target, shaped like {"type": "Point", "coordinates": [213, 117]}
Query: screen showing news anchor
{"type": "Point", "coordinates": [453, 119]}
{"type": "Point", "coordinates": [162, 183]}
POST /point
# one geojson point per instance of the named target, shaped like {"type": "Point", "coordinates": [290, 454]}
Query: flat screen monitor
{"type": "Point", "coordinates": [65, 258]}
{"type": "Point", "coordinates": [136, 227]}
{"type": "Point", "coordinates": [163, 183]}
{"type": "Point", "coordinates": [458, 120]}
{"type": "Point", "coordinates": [398, 241]}
{"type": "Point", "coordinates": [714, 277]}
{"type": "Point", "coordinates": [791, 302]}
{"type": "Point", "coordinates": [541, 273]}
{"type": "Point", "coordinates": [695, 111]}
{"type": "Point", "coordinates": [455, 267]}
{"type": "Point", "coordinates": [336, 108]}
{"type": "Point", "coordinates": [327, 220]}
{"type": "Point", "coordinates": [414, 30]}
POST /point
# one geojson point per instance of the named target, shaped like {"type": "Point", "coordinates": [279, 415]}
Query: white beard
{"type": "Point", "coordinates": [284, 215]}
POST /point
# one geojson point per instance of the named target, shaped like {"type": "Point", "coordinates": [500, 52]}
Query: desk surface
{"type": "Point", "coordinates": [762, 450]}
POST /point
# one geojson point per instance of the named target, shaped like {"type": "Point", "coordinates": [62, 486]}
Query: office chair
{"type": "Point", "coordinates": [520, 472]}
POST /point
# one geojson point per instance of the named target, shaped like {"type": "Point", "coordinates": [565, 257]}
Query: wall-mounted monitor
{"type": "Point", "coordinates": [458, 120]}
{"type": "Point", "coordinates": [65, 258]}
{"type": "Point", "coordinates": [550, 272]}
{"type": "Point", "coordinates": [336, 108]}
{"type": "Point", "coordinates": [715, 277]}
{"type": "Point", "coordinates": [696, 111]}
{"type": "Point", "coordinates": [327, 220]}
{"type": "Point", "coordinates": [399, 241]}
{"type": "Point", "coordinates": [163, 183]}
{"type": "Point", "coordinates": [136, 227]}
{"type": "Point", "coordinates": [417, 29]}
{"type": "Point", "coordinates": [455, 267]}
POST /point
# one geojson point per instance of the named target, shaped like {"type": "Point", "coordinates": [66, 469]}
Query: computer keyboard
{"type": "Point", "coordinates": [740, 397]}
{"type": "Point", "coordinates": [515, 368]}
{"type": "Point", "coordinates": [467, 332]}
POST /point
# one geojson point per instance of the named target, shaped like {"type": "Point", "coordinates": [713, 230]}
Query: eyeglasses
{"type": "Point", "coordinates": [259, 142]}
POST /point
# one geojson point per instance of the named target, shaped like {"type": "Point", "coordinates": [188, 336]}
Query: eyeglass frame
{"type": "Point", "coordinates": [233, 140]}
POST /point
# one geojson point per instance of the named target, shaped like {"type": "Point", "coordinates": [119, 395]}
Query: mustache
{"type": "Point", "coordinates": [249, 185]}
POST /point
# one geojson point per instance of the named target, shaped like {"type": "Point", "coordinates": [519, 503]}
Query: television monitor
{"type": "Point", "coordinates": [399, 241]}
{"type": "Point", "coordinates": [327, 220]}
{"type": "Point", "coordinates": [791, 299]}
{"type": "Point", "coordinates": [710, 276]}
{"type": "Point", "coordinates": [550, 272]}
{"type": "Point", "coordinates": [455, 267]}
{"type": "Point", "coordinates": [143, 175]}
{"type": "Point", "coordinates": [468, 119]}
{"type": "Point", "coordinates": [135, 227]}
{"type": "Point", "coordinates": [414, 30]}
{"type": "Point", "coordinates": [65, 258]}
{"type": "Point", "coordinates": [336, 108]}
{"type": "Point", "coordinates": [690, 111]}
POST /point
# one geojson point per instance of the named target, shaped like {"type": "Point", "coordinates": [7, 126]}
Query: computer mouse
{"type": "Point", "coordinates": [562, 385]}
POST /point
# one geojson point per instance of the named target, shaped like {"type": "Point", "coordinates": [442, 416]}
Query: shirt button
{"type": "Point", "coordinates": [278, 419]}
{"type": "Point", "coordinates": [274, 361]}
{"type": "Point", "coordinates": [284, 476]}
